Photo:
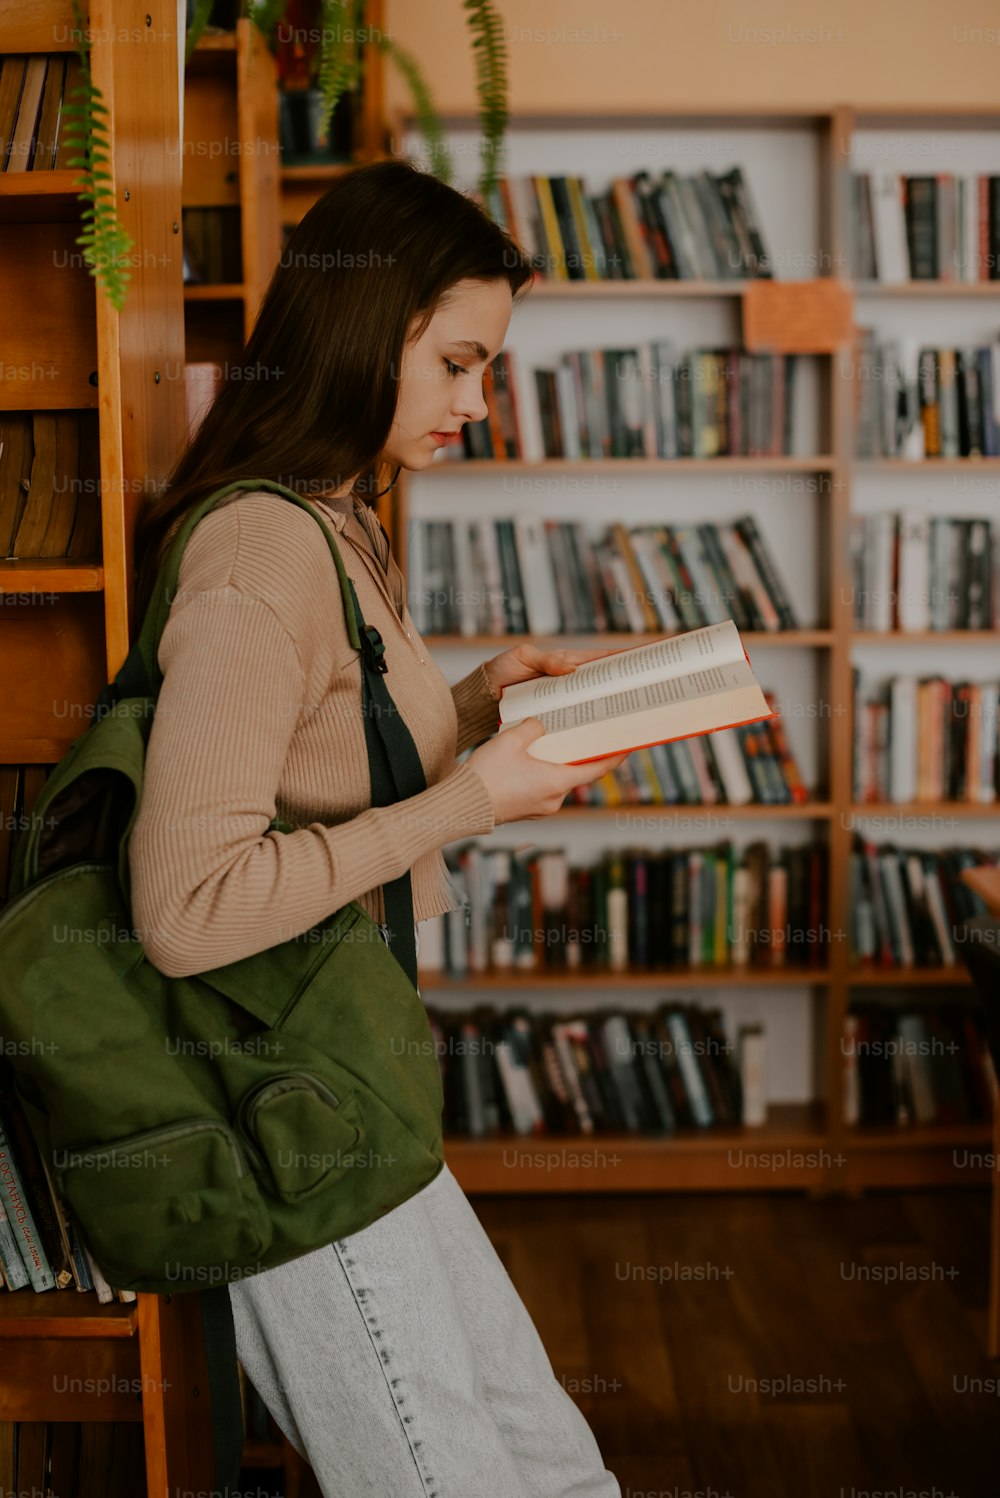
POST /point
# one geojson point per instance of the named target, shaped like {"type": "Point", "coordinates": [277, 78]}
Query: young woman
{"type": "Point", "coordinates": [399, 1361]}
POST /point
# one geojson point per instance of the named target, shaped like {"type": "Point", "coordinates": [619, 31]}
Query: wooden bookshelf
{"type": "Point", "coordinates": [231, 163]}
{"type": "Point", "coordinates": [859, 1158]}
{"type": "Point", "coordinates": [76, 638]}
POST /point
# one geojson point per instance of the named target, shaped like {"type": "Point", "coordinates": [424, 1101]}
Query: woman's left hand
{"type": "Point", "coordinates": [528, 660]}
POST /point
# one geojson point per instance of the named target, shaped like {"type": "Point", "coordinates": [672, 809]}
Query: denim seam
{"type": "Point", "coordinates": [362, 1301]}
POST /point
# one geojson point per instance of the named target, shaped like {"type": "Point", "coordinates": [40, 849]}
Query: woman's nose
{"type": "Point", "coordinates": [471, 404]}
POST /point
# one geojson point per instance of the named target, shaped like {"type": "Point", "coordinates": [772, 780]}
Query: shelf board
{"type": "Point", "coordinates": [15, 751]}
{"type": "Point", "coordinates": [925, 808]}
{"type": "Point", "coordinates": [927, 288]}
{"type": "Point", "coordinates": [918, 1136]}
{"type": "Point", "coordinates": [627, 638]}
{"type": "Point", "coordinates": [685, 977]}
{"type": "Point", "coordinates": [689, 1159]}
{"type": "Point", "coordinates": [216, 41]}
{"type": "Point", "coordinates": [214, 291]}
{"type": "Point", "coordinates": [51, 575]}
{"type": "Point", "coordinates": [64, 1313]}
{"type": "Point", "coordinates": [901, 977]}
{"type": "Point", "coordinates": [821, 463]}
{"type": "Point", "coordinates": [318, 171]}
{"type": "Point", "coordinates": [777, 115]}
{"type": "Point", "coordinates": [640, 287]}
{"type": "Point", "coordinates": [810, 810]}
{"type": "Point", "coordinates": [924, 637]}
{"type": "Point", "coordinates": [27, 196]}
{"type": "Point", "coordinates": [926, 465]}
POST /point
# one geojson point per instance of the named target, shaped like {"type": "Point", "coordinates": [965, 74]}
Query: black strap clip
{"type": "Point", "coordinates": [374, 649]}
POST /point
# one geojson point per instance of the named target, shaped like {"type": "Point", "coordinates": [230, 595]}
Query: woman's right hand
{"type": "Point", "coordinates": [523, 787]}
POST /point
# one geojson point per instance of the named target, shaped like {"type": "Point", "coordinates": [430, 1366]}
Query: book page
{"type": "Point", "coordinates": [707, 682]}
{"type": "Point", "coordinates": [661, 661]}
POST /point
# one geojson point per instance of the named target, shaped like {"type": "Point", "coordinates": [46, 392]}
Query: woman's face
{"type": "Point", "coordinates": [441, 381]}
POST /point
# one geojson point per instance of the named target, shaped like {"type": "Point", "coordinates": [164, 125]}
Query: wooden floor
{"type": "Point", "coordinates": [743, 1345]}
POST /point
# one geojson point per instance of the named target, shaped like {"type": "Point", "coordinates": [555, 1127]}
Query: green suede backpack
{"type": "Point", "coordinates": [205, 1128]}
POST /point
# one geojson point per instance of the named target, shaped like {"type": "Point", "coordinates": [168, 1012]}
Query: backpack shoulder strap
{"type": "Point", "coordinates": [143, 677]}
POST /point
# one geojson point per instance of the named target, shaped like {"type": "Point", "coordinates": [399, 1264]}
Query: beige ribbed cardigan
{"type": "Point", "coordinates": [259, 715]}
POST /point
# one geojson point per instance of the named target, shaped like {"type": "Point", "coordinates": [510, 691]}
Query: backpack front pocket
{"type": "Point", "coordinates": [173, 1207]}
{"type": "Point", "coordinates": [307, 1134]}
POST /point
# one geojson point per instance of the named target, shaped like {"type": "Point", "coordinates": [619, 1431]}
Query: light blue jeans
{"type": "Point", "coordinates": [402, 1363]}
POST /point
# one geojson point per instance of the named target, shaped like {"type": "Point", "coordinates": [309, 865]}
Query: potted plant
{"type": "Point", "coordinates": [332, 72]}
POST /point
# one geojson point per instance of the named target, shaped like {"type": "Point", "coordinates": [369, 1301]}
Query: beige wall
{"type": "Point", "coordinates": [645, 53]}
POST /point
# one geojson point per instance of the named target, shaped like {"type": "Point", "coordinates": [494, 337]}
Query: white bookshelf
{"type": "Point", "coordinates": [796, 165]}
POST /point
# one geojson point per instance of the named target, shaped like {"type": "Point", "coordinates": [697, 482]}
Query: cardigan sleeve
{"type": "Point", "coordinates": [209, 882]}
{"type": "Point", "coordinates": [477, 709]}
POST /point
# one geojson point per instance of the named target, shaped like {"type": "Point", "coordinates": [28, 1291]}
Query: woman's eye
{"type": "Point", "coordinates": [454, 369]}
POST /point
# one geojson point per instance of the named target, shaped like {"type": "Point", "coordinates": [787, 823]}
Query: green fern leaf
{"type": "Point", "coordinates": [428, 118]}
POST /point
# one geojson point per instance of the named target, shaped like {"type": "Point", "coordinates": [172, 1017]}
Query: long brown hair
{"type": "Point", "coordinates": [374, 253]}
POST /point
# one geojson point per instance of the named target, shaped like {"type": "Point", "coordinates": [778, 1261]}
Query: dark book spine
{"type": "Point", "coordinates": [567, 229]}
{"type": "Point", "coordinates": [921, 227]}
{"type": "Point", "coordinates": [746, 527]}
{"type": "Point", "coordinates": [993, 228]}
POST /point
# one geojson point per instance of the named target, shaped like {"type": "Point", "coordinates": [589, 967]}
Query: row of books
{"type": "Point", "coordinates": [653, 1072]}
{"type": "Point", "coordinates": [906, 903]}
{"type": "Point", "coordinates": [916, 402]}
{"type": "Point", "coordinates": [528, 574]}
{"type": "Point", "coordinates": [728, 767]}
{"type": "Point", "coordinates": [941, 227]}
{"type": "Point", "coordinates": [926, 739]}
{"type": "Point", "coordinates": [701, 226]}
{"type": "Point", "coordinates": [913, 571]}
{"type": "Point", "coordinates": [39, 1244]}
{"type": "Point", "coordinates": [632, 909]}
{"type": "Point", "coordinates": [647, 401]}
{"type": "Point", "coordinates": [49, 486]}
{"type": "Point", "coordinates": [906, 1065]}
{"type": "Point", "coordinates": [33, 94]}
{"type": "Point", "coordinates": [72, 1459]}
{"type": "Point", "coordinates": [212, 246]}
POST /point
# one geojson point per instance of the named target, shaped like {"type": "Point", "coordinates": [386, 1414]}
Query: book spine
{"type": "Point", "coordinates": [21, 1220]}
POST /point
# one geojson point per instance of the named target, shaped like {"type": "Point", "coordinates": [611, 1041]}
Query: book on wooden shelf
{"type": "Point", "coordinates": [941, 227]}
{"type": "Point", "coordinates": [642, 1072]}
{"type": "Point", "coordinates": [926, 739]}
{"type": "Point", "coordinates": [21, 1219]}
{"type": "Point", "coordinates": [529, 911]}
{"type": "Point", "coordinates": [561, 576]}
{"type": "Point", "coordinates": [915, 1064]}
{"type": "Point", "coordinates": [34, 91]}
{"type": "Point", "coordinates": [913, 572]}
{"type": "Point", "coordinates": [50, 491]}
{"type": "Point", "coordinates": [674, 688]}
{"type": "Point", "coordinates": [916, 402]}
{"type": "Point", "coordinates": [747, 766]}
{"type": "Point", "coordinates": [905, 903]}
{"type": "Point", "coordinates": [647, 401]}
{"type": "Point", "coordinates": [52, 1251]}
{"type": "Point", "coordinates": [700, 226]}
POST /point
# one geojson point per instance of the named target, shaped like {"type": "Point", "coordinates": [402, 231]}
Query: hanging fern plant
{"type": "Point", "coordinates": [491, 85]}
{"type": "Point", "coordinates": [105, 244]}
{"type": "Point", "coordinates": [343, 28]}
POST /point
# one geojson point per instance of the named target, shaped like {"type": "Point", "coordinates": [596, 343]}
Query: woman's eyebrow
{"type": "Point", "coordinates": [470, 346]}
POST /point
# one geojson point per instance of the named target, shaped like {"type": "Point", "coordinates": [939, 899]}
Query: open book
{"type": "Point", "coordinates": [672, 689]}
